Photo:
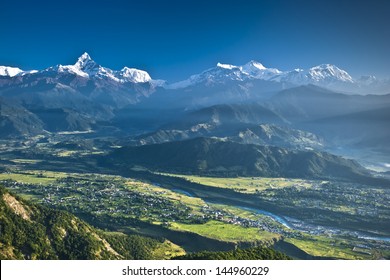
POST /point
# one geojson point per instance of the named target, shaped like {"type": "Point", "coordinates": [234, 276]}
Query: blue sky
{"type": "Point", "coordinates": [174, 39]}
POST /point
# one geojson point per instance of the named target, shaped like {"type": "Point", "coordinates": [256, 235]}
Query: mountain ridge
{"type": "Point", "coordinates": [216, 157]}
{"type": "Point", "coordinates": [324, 74]}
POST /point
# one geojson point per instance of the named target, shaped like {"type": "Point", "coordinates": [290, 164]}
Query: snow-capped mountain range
{"type": "Point", "coordinates": [87, 68]}
{"type": "Point", "coordinates": [325, 75]}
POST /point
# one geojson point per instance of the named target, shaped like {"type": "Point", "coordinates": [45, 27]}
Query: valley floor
{"type": "Point", "coordinates": [306, 219]}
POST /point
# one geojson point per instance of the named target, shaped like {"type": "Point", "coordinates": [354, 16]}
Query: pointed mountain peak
{"type": "Point", "coordinates": [85, 55]}
{"type": "Point", "coordinates": [85, 61]}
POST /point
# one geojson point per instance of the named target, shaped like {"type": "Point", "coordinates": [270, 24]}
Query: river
{"type": "Point", "coordinates": [276, 218]}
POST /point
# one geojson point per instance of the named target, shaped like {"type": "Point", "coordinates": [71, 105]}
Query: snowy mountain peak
{"type": "Point", "coordinates": [87, 67]}
{"type": "Point", "coordinates": [251, 66]}
{"type": "Point", "coordinates": [10, 71]}
{"type": "Point", "coordinates": [327, 72]}
{"type": "Point", "coordinates": [330, 68]}
{"type": "Point", "coordinates": [85, 62]}
{"type": "Point", "coordinates": [322, 75]}
{"type": "Point", "coordinates": [226, 66]}
{"type": "Point", "coordinates": [134, 75]}
{"type": "Point", "coordinates": [254, 64]}
{"type": "Point", "coordinates": [256, 70]}
{"type": "Point", "coordinates": [83, 58]}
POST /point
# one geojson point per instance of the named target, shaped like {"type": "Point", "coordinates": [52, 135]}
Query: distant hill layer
{"type": "Point", "coordinates": [263, 134]}
{"type": "Point", "coordinates": [310, 103]}
{"type": "Point", "coordinates": [208, 156]}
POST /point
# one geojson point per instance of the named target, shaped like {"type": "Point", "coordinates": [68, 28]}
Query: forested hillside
{"type": "Point", "coordinates": [30, 231]}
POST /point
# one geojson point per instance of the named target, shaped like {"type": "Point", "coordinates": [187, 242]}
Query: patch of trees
{"type": "Point", "coordinates": [133, 247]}
{"type": "Point", "coordinates": [254, 253]}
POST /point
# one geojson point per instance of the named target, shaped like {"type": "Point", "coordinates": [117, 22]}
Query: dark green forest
{"type": "Point", "coordinates": [255, 253]}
